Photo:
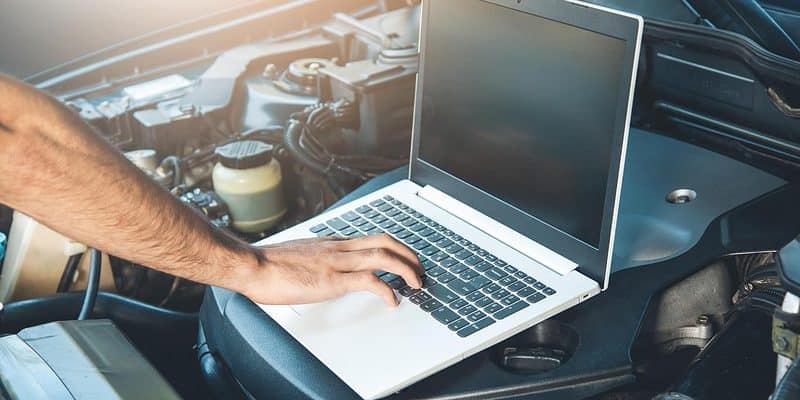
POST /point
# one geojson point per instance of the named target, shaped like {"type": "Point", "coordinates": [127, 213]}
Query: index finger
{"type": "Point", "coordinates": [382, 241]}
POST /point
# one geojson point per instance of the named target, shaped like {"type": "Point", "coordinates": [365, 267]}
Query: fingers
{"type": "Point", "coordinates": [381, 259]}
{"type": "Point", "coordinates": [381, 241]}
{"type": "Point", "coordinates": [366, 281]}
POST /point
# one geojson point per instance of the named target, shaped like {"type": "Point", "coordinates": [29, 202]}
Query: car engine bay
{"type": "Point", "coordinates": [263, 133]}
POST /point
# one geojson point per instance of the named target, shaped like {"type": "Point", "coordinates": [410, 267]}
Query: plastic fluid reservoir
{"type": "Point", "coordinates": [249, 180]}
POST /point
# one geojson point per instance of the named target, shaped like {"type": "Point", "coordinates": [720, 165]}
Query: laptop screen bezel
{"type": "Point", "coordinates": [592, 262]}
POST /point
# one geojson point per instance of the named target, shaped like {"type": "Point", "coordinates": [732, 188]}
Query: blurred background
{"type": "Point", "coordinates": [37, 35]}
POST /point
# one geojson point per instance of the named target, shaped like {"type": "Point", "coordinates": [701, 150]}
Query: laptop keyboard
{"type": "Point", "coordinates": [465, 287]}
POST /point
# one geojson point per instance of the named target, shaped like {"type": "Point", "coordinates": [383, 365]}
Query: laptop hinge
{"type": "Point", "coordinates": [504, 234]}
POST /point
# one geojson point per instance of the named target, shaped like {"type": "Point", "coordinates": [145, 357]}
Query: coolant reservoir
{"type": "Point", "coordinates": [249, 180]}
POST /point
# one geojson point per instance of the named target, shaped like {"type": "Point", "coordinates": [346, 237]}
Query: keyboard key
{"type": "Point", "coordinates": [436, 272]}
{"type": "Point", "coordinates": [456, 237]}
{"type": "Point", "coordinates": [443, 294]}
{"type": "Point", "coordinates": [467, 310]}
{"type": "Point", "coordinates": [479, 282]}
{"type": "Point", "coordinates": [444, 243]}
{"type": "Point", "coordinates": [385, 208]}
{"type": "Point", "coordinates": [393, 213]}
{"type": "Point", "coordinates": [350, 216]}
{"type": "Point", "coordinates": [491, 257]}
{"type": "Point", "coordinates": [430, 305]}
{"type": "Point", "coordinates": [426, 232]}
{"type": "Point", "coordinates": [464, 242]}
{"type": "Point", "coordinates": [404, 234]}
{"type": "Point", "coordinates": [482, 252]}
{"type": "Point", "coordinates": [475, 327]}
{"type": "Point", "coordinates": [326, 232]}
{"type": "Point", "coordinates": [397, 229]}
{"type": "Point", "coordinates": [412, 239]}
{"type": "Point", "coordinates": [461, 287]}
{"type": "Point", "coordinates": [500, 294]}
{"type": "Point", "coordinates": [477, 315]}
{"type": "Point", "coordinates": [484, 302]}
{"type": "Point", "coordinates": [430, 251]}
{"type": "Point", "coordinates": [468, 274]}
{"type": "Point", "coordinates": [350, 231]}
{"type": "Point", "coordinates": [417, 299]}
{"type": "Point", "coordinates": [520, 275]}
{"type": "Point", "coordinates": [377, 203]}
{"type": "Point", "coordinates": [509, 280]}
{"type": "Point", "coordinates": [475, 296]}
{"type": "Point", "coordinates": [458, 324]}
{"type": "Point", "coordinates": [447, 277]}
{"type": "Point", "coordinates": [318, 228]}
{"type": "Point", "coordinates": [372, 214]}
{"type": "Point", "coordinates": [496, 273]}
{"type": "Point", "coordinates": [463, 254]}
{"type": "Point", "coordinates": [428, 281]}
{"type": "Point", "coordinates": [388, 198]}
{"type": "Point", "coordinates": [500, 263]}
{"type": "Point", "coordinates": [536, 298]}
{"type": "Point", "coordinates": [473, 247]}
{"type": "Point", "coordinates": [428, 264]}
{"type": "Point", "coordinates": [549, 291]}
{"type": "Point", "coordinates": [493, 308]}
{"type": "Point", "coordinates": [367, 227]}
{"type": "Point", "coordinates": [510, 269]}
{"type": "Point", "coordinates": [529, 280]}
{"type": "Point", "coordinates": [407, 291]}
{"type": "Point", "coordinates": [483, 266]}
{"type": "Point", "coordinates": [403, 218]}
{"type": "Point", "coordinates": [359, 222]}
{"type": "Point", "coordinates": [444, 260]}
{"type": "Point", "coordinates": [473, 260]}
{"type": "Point", "coordinates": [492, 288]}
{"type": "Point", "coordinates": [435, 238]}
{"type": "Point", "coordinates": [363, 209]}
{"type": "Point", "coordinates": [526, 292]}
{"type": "Point", "coordinates": [420, 245]}
{"type": "Point", "coordinates": [417, 228]}
{"type": "Point", "coordinates": [454, 249]}
{"type": "Point", "coordinates": [458, 268]}
{"type": "Point", "coordinates": [516, 286]}
{"type": "Point", "coordinates": [387, 225]}
{"type": "Point", "coordinates": [510, 310]}
{"type": "Point", "coordinates": [445, 315]}
{"type": "Point", "coordinates": [539, 285]}
{"type": "Point", "coordinates": [458, 304]}
{"type": "Point", "coordinates": [408, 222]}
{"type": "Point", "coordinates": [510, 300]}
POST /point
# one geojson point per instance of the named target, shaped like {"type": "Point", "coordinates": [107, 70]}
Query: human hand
{"type": "Point", "coordinates": [319, 269]}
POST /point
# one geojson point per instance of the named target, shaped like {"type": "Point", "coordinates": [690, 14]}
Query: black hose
{"type": "Point", "coordinates": [789, 386]}
{"type": "Point", "coordinates": [92, 287]}
{"type": "Point", "coordinates": [69, 273]}
{"type": "Point", "coordinates": [292, 142]}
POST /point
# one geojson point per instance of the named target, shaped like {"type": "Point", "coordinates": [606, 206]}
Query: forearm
{"type": "Point", "coordinates": [54, 168]}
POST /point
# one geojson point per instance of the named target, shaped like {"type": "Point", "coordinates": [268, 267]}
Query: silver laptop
{"type": "Point", "coordinates": [520, 129]}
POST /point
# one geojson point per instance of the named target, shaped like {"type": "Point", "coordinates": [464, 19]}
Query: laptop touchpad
{"type": "Point", "coordinates": [350, 309]}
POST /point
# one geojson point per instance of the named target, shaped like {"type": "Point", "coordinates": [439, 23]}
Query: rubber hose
{"type": "Point", "coordinates": [92, 287]}
{"type": "Point", "coordinates": [292, 142]}
{"type": "Point", "coordinates": [69, 273]}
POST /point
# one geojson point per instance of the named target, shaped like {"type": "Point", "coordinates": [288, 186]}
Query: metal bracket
{"type": "Point", "coordinates": [786, 334]}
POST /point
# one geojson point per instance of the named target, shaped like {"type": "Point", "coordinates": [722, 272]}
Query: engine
{"type": "Point", "coordinates": [264, 136]}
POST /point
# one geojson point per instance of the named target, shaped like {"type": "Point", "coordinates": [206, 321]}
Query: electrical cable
{"type": "Point", "coordinates": [92, 286]}
{"type": "Point", "coordinates": [69, 273]}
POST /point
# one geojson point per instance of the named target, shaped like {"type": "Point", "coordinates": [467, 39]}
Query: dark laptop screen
{"type": "Point", "coordinates": [522, 108]}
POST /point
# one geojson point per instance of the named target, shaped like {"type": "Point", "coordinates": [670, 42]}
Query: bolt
{"type": "Point", "coordinates": [781, 343]}
{"type": "Point", "coordinates": [703, 320]}
{"type": "Point", "coordinates": [270, 72]}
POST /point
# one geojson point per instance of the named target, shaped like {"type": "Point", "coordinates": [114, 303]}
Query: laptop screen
{"type": "Point", "coordinates": [524, 109]}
